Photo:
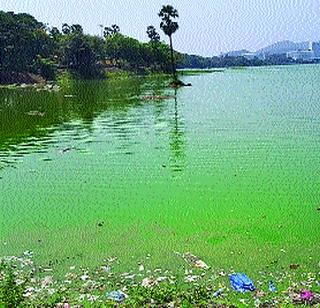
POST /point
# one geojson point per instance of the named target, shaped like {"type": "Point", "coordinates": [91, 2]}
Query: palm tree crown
{"type": "Point", "coordinates": [167, 25]}
{"type": "Point", "coordinates": [167, 14]}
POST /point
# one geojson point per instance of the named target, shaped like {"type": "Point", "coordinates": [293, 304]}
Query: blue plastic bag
{"type": "Point", "coordinates": [272, 287]}
{"type": "Point", "coordinates": [241, 283]}
{"type": "Point", "coordinates": [116, 296]}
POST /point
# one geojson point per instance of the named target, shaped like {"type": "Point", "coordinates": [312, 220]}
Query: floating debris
{"type": "Point", "coordinates": [117, 296]}
{"type": "Point", "coordinates": [294, 266]}
{"type": "Point", "coordinates": [90, 286]}
{"type": "Point", "coordinates": [194, 261]}
{"type": "Point", "coordinates": [306, 295]}
{"type": "Point", "coordinates": [162, 278]}
{"type": "Point", "coordinates": [257, 302]}
{"type": "Point", "coordinates": [191, 278]}
{"type": "Point", "coordinates": [218, 292]}
{"type": "Point", "coordinates": [106, 268]}
{"type": "Point", "coordinates": [272, 287]}
{"type": "Point", "coordinates": [67, 149]}
{"type": "Point", "coordinates": [112, 259]}
{"type": "Point", "coordinates": [293, 295]}
{"type": "Point", "coordinates": [201, 264]}
{"type": "Point", "coordinates": [243, 301]}
{"type": "Point", "coordinates": [35, 113]}
{"type": "Point", "coordinates": [259, 294]}
{"type": "Point", "coordinates": [149, 282]}
{"type": "Point", "coordinates": [241, 283]}
{"type": "Point", "coordinates": [84, 277]}
{"type": "Point", "coordinates": [28, 253]}
{"type": "Point", "coordinates": [47, 281]}
{"type": "Point", "coordinates": [63, 305]}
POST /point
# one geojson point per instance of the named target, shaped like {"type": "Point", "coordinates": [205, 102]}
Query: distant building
{"type": "Point", "coordinates": [304, 55]}
{"type": "Point", "coordinates": [315, 47]}
{"type": "Point", "coordinates": [311, 54]}
{"type": "Point", "coordinates": [249, 55]}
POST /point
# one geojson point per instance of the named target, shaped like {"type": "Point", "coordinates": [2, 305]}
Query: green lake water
{"type": "Point", "coordinates": [229, 170]}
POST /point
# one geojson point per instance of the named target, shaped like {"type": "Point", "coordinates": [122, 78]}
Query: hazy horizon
{"type": "Point", "coordinates": [206, 28]}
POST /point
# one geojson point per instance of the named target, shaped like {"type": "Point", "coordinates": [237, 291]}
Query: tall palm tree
{"type": "Point", "coordinates": [168, 13]}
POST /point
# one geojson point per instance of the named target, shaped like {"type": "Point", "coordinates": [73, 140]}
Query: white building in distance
{"type": "Point", "coordinates": [315, 47]}
{"type": "Point", "coordinates": [311, 54]}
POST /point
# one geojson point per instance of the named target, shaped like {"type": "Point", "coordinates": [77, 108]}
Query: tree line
{"type": "Point", "coordinates": [28, 46]}
{"type": "Point", "coordinates": [198, 62]}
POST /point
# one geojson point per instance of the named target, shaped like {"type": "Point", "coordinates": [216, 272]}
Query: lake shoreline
{"type": "Point", "coordinates": [29, 80]}
{"type": "Point", "coordinates": [25, 283]}
{"type": "Point", "coordinates": [32, 81]}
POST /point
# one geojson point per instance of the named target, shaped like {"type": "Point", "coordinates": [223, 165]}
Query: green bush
{"type": "Point", "coordinates": [65, 80]}
{"type": "Point", "coordinates": [46, 68]}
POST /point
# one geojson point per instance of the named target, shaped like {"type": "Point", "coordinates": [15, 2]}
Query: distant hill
{"type": "Point", "coordinates": [275, 54]}
{"type": "Point", "coordinates": [278, 48]}
{"type": "Point", "coordinates": [282, 47]}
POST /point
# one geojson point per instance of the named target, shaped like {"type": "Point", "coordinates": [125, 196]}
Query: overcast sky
{"type": "Point", "coordinates": [207, 27]}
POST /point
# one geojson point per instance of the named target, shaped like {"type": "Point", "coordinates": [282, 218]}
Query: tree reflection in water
{"type": "Point", "coordinates": [177, 139]}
